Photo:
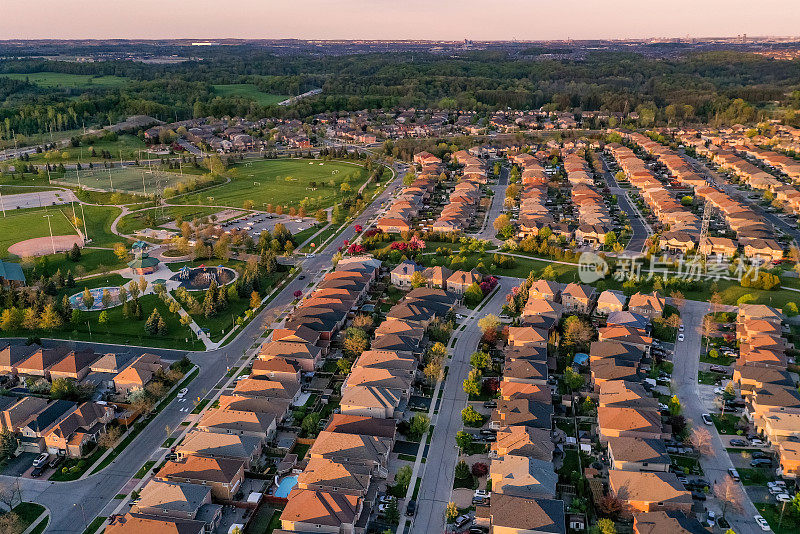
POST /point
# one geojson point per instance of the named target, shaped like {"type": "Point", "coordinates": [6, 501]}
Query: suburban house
{"type": "Point", "coordinates": [138, 373]}
{"type": "Point", "coordinates": [508, 514]}
{"type": "Point", "coordinates": [650, 305]}
{"type": "Point", "coordinates": [141, 524]}
{"type": "Point", "coordinates": [459, 281]}
{"type": "Point", "coordinates": [578, 298]}
{"type": "Point", "coordinates": [71, 435]}
{"type": "Point", "coordinates": [178, 501]}
{"type": "Point", "coordinates": [225, 446]}
{"type": "Point", "coordinates": [649, 492]}
{"type": "Point", "coordinates": [522, 476]}
{"type": "Point", "coordinates": [371, 401]}
{"type": "Point", "coordinates": [11, 274]}
{"type": "Point", "coordinates": [667, 522]}
{"type": "Point", "coordinates": [629, 422]}
{"type": "Point", "coordinates": [789, 453]}
{"type": "Point", "coordinates": [611, 301]}
{"type": "Point", "coordinates": [321, 511]}
{"type": "Point", "coordinates": [637, 454]}
{"type": "Point", "coordinates": [523, 441]}
{"type": "Point", "coordinates": [401, 275]}
{"type": "Point", "coordinates": [224, 476]}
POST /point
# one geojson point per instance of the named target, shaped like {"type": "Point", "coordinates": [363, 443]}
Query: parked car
{"type": "Point", "coordinates": [760, 455]}
{"type": "Point", "coordinates": [734, 474]}
{"type": "Point", "coordinates": [760, 462]}
{"type": "Point", "coordinates": [783, 497]}
{"type": "Point", "coordinates": [37, 471]}
{"type": "Point", "coordinates": [736, 442]}
{"type": "Point", "coordinates": [54, 462]}
{"type": "Point", "coordinates": [681, 328]}
{"type": "Point", "coordinates": [756, 442]}
{"type": "Point", "coordinates": [711, 518]}
{"type": "Point", "coordinates": [698, 496]}
{"type": "Point", "coordinates": [707, 419]}
{"type": "Point", "coordinates": [462, 521]}
{"type": "Point", "coordinates": [718, 369]}
{"type": "Point", "coordinates": [41, 460]}
{"type": "Point", "coordinates": [761, 522]}
{"type": "Point", "coordinates": [680, 337]}
{"type": "Point", "coordinates": [411, 508]}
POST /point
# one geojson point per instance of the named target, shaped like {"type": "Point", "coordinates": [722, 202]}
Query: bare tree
{"type": "Point", "coordinates": [701, 439]}
{"type": "Point", "coordinates": [10, 494]}
{"type": "Point", "coordinates": [730, 493]}
{"type": "Point", "coordinates": [10, 523]}
{"type": "Point", "coordinates": [678, 299]}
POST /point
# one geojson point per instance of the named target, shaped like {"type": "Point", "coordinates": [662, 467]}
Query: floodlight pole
{"type": "Point", "coordinates": [2, 205]}
{"type": "Point", "coordinates": [50, 226]}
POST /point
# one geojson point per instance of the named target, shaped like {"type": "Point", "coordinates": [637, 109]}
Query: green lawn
{"type": "Point", "coordinates": [725, 424]}
{"type": "Point", "coordinates": [68, 81]}
{"type": "Point", "coordinates": [28, 512]}
{"type": "Point", "coordinates": [73, 468]}
{"type": "Point", "coordinates": [772, 513]}
{"type": "Point", "coordinates": [92, 150]}
{"type": "Point", "coordinates": [280, 182]}
{"type": "Point", "coordinates": [92, 261]}
{"type": "Point", "coordinates": [139, 220]}
{"type": "Point", "coordinates": [250, 91]}
{"type": "Point", "coordinates": [98, 225]}
{"type": "Point", "coordinates": [19, 225]}
{"type": "Point", "coordinates": [321, 238]}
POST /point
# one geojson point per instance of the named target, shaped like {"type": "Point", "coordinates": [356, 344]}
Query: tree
{"type": "Point", "coordinates": [501, 222]}
{"type": "Point", "coordinates": [50, 319]}
{"type": "Point", "coordinates": [403, 477]}
{"type": "Point", "coordinates": [573, 379]}
{"type": "Point", "coordinates": [577, 331]}
{"type": "Point", "coordinates": [451, 511]}
{"type": "Point", "coordinates": [472, 384]}
{"type": "Point", "coordinates": [462, 471]}
{"type": "Point", "coordinates": [106, 298]}
{"type": "Point", "coordinates": [418, 426]}
{"type": "Point", "coordinates": [10, 494]}
{"type": "Point", "coordinates": [321, 216]}
{"type": "Point", "coordinates": [790, 309]}
{"type": "Point", "coordinates": [701, 440]}
{"type": "Point", "coordinates": [75, 253]}
{"type": "Point", "coordinates": [473, 295]}
{"type": "Point", "coordinates": [344, 365]}
{"type": "Point", "coordinates": [10, 320]}
{"type": "Point", "coordinates": [610, 506]}
{"type": "Point", "coordinates": [10, 523]}
{"type": "Point", "coordinates": [480, 360]}
{"type": "Point", "coordinates": [729, 492]}
{"type": "Point", "coordinates": [480, 469]}
{"type": "Point", "coordinates": [606, 526]}
{"type": "Point", "coordinates": [142, 284]}
{"type": "Point", "coordinates": [470, 416]}
{"type": "Point", "coordinates": [255, 300]}
{"type": "Point", "coordinates": [392, 514]}
{"type": "Point", "coordinates": [489, 323]}
{"type": "Point", "coordinates": [356, 341]}
{"type": "Point", "coordinates": [418, 280]}
{"type": "Point", "coordinates": [151, 325]}
{"type": "Point", "coordinates": [110, 437]}
{"type": "Point", "coordinates": [610, 239]}
{"type": "Point", "coordinates": [675, 405]}
{"type": "Point", "coordinates": [677, 299]}
{"type": "Point", "coordinates": [121, 252]}
{"type": "Point", "coordinates": [463, 440]}
{"type": "Point", "coordinates": [87, 298]}
{"type": "Point", "coordinates": [310, 423]}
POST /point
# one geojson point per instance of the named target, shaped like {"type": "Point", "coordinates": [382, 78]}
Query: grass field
{"type": "Point", "coordinates": [284, 182]}
{"type": "Point", "coordinates": [126, 145]}
{"type": "Point", "coordinates": [68, 81]}
{"type": "Point", "coordinates": [19, 225]}
{"type": "Point", "coordinates": [139, 220]}
{"type": "Point", "coordinates": [248, 90]}
{"type": "Point", "coordinates": [98, 224]}
{"type": "Point", "coordinates": [129, 179]}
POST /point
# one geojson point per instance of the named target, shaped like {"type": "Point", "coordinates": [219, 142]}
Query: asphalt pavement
{"type": "Point", "coordinates": [640, 229]}
{"type": "Point", "coordinates": [436, 487]}
{"type": "Point", "coordinates": [697, 399]}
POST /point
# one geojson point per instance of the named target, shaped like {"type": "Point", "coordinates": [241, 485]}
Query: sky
{"type": "Point", "coordinates": [396, 19]}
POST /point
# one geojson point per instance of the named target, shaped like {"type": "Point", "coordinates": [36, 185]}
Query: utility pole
{"type": "Point", "coordinates": [49, 225]}
{"type": "Point", "coordinates": [2, 205]}
{"type": "Point", "coordinates": [85, 232]}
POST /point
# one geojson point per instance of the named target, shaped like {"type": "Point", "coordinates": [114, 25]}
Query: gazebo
{"type": "Point", "coordinates": [143, 264]}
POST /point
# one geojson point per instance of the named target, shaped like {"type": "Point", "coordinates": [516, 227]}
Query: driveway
{"type": "Point", "coordinates": [696, 401]}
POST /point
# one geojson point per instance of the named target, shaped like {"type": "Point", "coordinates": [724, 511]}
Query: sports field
{"type": "Point", "coordinates": [248, 90]}
{"type": "Point", "coordinates": [67, 81]}
{"type": "Point", "coordinates": [19, 225]}
{"type": "Point", "coordinates": [131, 179]}
{"type": "Point", "coordinates": [284, 182]}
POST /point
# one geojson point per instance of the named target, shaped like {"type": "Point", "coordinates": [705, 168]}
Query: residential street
{"type": "Point", "coordinates": [70, 502]}
{"type": "Point", "coordinates": [640, 228]}
{"type": "Point", "coordinates": [697, 399]}
{"type": "Point", "coordinates": [488, 232]}
{"type": "Point", "coordinates": [437, 483]}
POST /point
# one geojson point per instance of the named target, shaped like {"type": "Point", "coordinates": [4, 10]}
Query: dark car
{"type": "Point", "coordinates": [37, 471]}
{"type": "Point", "coordinates": [54, 462]}
{"type": "Point", "coordinates": [718, 369]}
{"type": "Point", "coordinates": [301, 277]}
{"type": "Point", "coordinates": [411, 508]}
{"type": "Point", "coordinates": [698, 496]}
{"type": "Point", "coordinates": [738, 442]}
{"type": "Point", "coordinates": [761, 462]}
{"type": "Point", "coordinates": [761, 455]}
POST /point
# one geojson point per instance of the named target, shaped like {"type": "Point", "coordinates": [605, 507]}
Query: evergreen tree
{"type": "Point", "coordinates": [75, 253]}
{"type": "Point", "coordinates": [152, 323]}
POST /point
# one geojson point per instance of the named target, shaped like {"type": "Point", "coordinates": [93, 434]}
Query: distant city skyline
{"type": "Point", "coordinates": [410, 19]}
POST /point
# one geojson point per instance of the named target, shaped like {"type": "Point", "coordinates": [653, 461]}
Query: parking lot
{"type": "Point", "coordinates": [256, 223]}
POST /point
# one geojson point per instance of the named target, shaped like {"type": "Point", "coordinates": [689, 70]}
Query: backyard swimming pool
{"type": "Point", "coordinates": [285, 486]}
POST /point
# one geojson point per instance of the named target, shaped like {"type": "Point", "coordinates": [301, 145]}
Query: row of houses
{"type": "Point", "coordinates": [630, 424]}
{"type": "Point", "coordinates": [456, 282]}
{"type": "Point", "coordinates": [533, 211]}
{"type": "Point", "coordinates": [594, 219]}
{"type": "Point", "coordinates": [408, 204]}
{"type": "Point", "coordinates": [682, 227]}
{"type": "Point", "coordinates": [753, 233]}
{"type": "Point", "coordinates": [521, 471]}
{"type": "Point", "coordinates": [464, 200]}
{"type": "Point", "coordinates": [338, 485]}
{"type": "Point", "coordinates": [772, 402]}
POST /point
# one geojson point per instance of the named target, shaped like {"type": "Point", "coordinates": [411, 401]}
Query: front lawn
{"type": "Point", "coordinates": [725, 424]}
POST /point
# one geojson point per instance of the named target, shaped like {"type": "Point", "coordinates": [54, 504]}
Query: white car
{"type": "Point", "coordinates": [719, 391]}
{"type": "Point", "coordinates": [707, 419]}
{"type": "Point", "coordinates": [680, 337]}
{"type": "Point", "coordinates": [756, 443]}
{"type": "Point", "coordinates": [681, 328]}
{"type": "Point", "coordinates": [761, 522]}
{"type": "Point", "coordinates": [783, 497]}
{"type": "Point", "coordinates": [182, 393]}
